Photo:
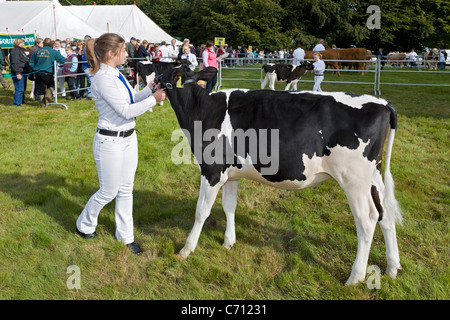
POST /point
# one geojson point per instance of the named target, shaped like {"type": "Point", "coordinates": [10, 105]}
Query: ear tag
{"type": "Point", "coordinates": [179, 83]}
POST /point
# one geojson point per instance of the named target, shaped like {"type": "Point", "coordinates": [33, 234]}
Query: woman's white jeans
{"type": "Point", "coordinates": [317, 81]}
{"type": "Point", "coordinates": [116, 159]}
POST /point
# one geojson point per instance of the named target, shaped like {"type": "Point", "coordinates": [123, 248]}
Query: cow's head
{"type": "Point", "coordinates": [182, 75]}
{"type": "Point", "coordinates": [308, 65]}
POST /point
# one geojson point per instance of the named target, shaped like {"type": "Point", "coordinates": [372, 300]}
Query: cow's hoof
{"type": "Point", "coordinates": [228, 246]}
{"type": "Point", "coordinates": [392, 271]}
{"type": "Point", "coordinates": [183, 254]}
{"type": "Point", "coordinates": [179, 257]}
{"type": "Point", "coordinates": [354, 279]}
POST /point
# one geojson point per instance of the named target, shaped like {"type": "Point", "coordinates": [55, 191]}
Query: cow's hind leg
{"type": "Point", "coordinates": [389, 208]}
{"type": "Point", "coordinates": [229, 202]}
{"type": "Point", "coordinates": [205, 202]}
{"type": "Point", "coordinates": [366, 216]}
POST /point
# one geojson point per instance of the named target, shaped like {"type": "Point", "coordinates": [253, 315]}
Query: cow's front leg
{"type": "Point", "coordinates": [229, 202]}
{"type": "Point", "coordinates": [288, 85]}
{"type": "Point", "coordinates": [205, 202]}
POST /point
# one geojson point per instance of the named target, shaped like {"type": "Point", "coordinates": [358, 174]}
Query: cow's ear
{"type": "Point", "coordinates": [206, 74]}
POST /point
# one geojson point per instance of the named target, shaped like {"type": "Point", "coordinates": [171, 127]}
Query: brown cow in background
{"type": "Point", "coordinates": [343, 54]}
{"type": "Point", "coordinates": [396, 58]}
{"type": "Point", "coordinates": [355, 54]}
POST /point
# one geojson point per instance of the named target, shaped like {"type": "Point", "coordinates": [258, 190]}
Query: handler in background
{"type": "Point", "coordinates": [319, 69]}
{"type": "Point", "coordinates": [42, 62]}
{"type": "Point", "coordinates": [115, 143]}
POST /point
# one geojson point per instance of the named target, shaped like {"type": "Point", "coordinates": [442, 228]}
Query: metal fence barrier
{"type": "Point", "coordinates": [243, 61]}
{"type": "Point", "coordinates": [420, 65]}
{"type": "Point", "coordinates": [240, 63]}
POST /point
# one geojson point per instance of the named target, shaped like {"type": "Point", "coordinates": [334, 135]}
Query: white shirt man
{"type": "Point", "coordinates": [319, 46]}
{"type": "Point", "coordinates": [281, 54]}
{"type": "Point", "coordinates": [299, 56]}
{"type": "Point", "coordinates": [166, 55]}
{"type": "Point", "coordinates": [173, 49]}
{"type": "Point", "coordinates": [412, 56]}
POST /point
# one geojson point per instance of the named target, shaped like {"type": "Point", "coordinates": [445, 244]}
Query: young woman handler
{"type": "Point", "coordinates": [115, 143]}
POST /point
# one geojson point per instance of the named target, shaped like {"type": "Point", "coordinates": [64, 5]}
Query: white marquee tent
{"type": "Point", "coordinates": [45, 18]}
{"type": "Point", "coordinates": [51, 19]}
{"type": "Point", "coordinates": [126, 20]}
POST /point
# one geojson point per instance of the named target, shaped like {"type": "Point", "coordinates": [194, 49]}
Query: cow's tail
{"type": "Point", "coordinates": [390, 203]}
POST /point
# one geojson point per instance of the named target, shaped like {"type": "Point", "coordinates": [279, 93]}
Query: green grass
{"type": "Point", "coordinates": [290, 244]}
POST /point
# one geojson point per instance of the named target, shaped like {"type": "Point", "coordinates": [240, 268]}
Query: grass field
{"type": "Point", "coordinates": [291, 245]}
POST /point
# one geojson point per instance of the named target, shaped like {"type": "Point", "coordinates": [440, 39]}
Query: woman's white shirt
{"type": "Point", "coordinates": [319, 67]}
{"type": "Point", "coordinates": [112, 100]}
{"type": "Point", "coordinates": [192, 59]}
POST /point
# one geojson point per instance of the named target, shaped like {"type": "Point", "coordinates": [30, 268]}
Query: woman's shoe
{"type": "Point", "coordinates": [134, 248]}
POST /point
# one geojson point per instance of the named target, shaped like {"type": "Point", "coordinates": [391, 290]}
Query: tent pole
{"type": "Point", "coordinates": [54, 20]}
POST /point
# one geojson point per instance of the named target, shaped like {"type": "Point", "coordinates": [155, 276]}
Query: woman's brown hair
{"type": "Point", "coordinates": [18, 41]}
{"type": "Point", "coordinates": [97, 49]}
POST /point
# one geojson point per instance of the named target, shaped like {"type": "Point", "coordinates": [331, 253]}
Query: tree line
{"type": "Point", "coordinates": [274, 24]}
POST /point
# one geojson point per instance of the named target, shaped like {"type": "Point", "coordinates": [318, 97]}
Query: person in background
{"type": "Point", "coordinates": [38, 43]}
{"type": "Point", "coordinates": [173, 49]}
{"type": "Point", "coordinates": [142, 52]}
{"type": "Point", "coordinates": [299, 55]}
{"type": "Point", "coordinates": [81, 77]}
{"type": "Point", "coordinates": [186, 42]}
{"type": "Point", "coordinates": [85, 67]}
{"type": "Point", "coordinates": [61, 81]}
{"type": "Point", "coordinates": [2, 64]}
{"type": "Point", "coordinates": [67, 43]}
{"type": "Point", "coordinates": [190, 57]}
{"type": "Point", "coordinates": [132, 53]}
{"type": "Point", "coordinates": [319, 46]}
{"type": "Point", "coordinates": [165, 53]}
{"type": "Point", "coordinates": [210, 59]}
{"type": "Point", "coordinates": [381, 56]}
{"type": "Point", "coordinates": [42, 62]}
{"type": "Point", "coordinates": [441, 60]}
{"type": "Point", "coordinates": [412, 57]}
{"type": "Point", "coordinates": [69, 71]}
{"type": "Point", "coordinates": [319, 69]}
{"type": "Point", "coordinates": [115, 145]}
{"type": "Point", "coordinates": [157, 53]}
{"type": "Point", "coordinates": [19, 65]}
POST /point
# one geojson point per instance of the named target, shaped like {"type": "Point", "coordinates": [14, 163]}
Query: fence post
{"type": "Point", "coordinates": [379, 78]}
{"type": "Point", "coordinates": [377, 64]}
{"type": "Point", "coordinates": [55, 92]}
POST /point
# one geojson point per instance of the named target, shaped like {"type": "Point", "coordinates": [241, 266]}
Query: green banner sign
{"type": "Point", "coordinates": [7, 40]}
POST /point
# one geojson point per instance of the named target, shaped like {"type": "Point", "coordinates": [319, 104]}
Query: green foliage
{"type": "Point", "coordinates": [275, 24]}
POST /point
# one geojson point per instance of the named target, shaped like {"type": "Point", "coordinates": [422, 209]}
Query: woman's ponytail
{"type": "Point", "coordinates": [97, 49]}
{"type": "Point", "coordinates": [91, 57]}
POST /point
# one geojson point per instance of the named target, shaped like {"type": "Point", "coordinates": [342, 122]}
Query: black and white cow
{"type": "Point", "coordinates": [148, 70]}
{"type": "Point", "coordinates": [284, 72]}
{"type": "Point", "coordinates": [291, 140]}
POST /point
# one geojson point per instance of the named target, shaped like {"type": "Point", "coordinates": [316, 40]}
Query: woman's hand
{"type": "Point", "coordinates": [159, 95]}
{"type": "Point", "coordinates": [154, 87]}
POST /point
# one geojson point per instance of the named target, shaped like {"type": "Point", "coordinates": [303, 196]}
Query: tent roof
{"type": "Point", "coordinates": [126, 20]}
{"type": "Point", "coordinates": [39, 17]}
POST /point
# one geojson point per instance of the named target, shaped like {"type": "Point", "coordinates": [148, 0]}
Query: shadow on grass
{"type": "Point", "coordinates": [56, 196]}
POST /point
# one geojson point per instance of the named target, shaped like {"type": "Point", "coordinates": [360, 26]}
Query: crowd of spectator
{"type": "Point", "coordinates": [73, 69]}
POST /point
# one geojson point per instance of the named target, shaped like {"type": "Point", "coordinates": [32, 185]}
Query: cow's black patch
{"type": "Point", "coordinates": [308, 124]}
